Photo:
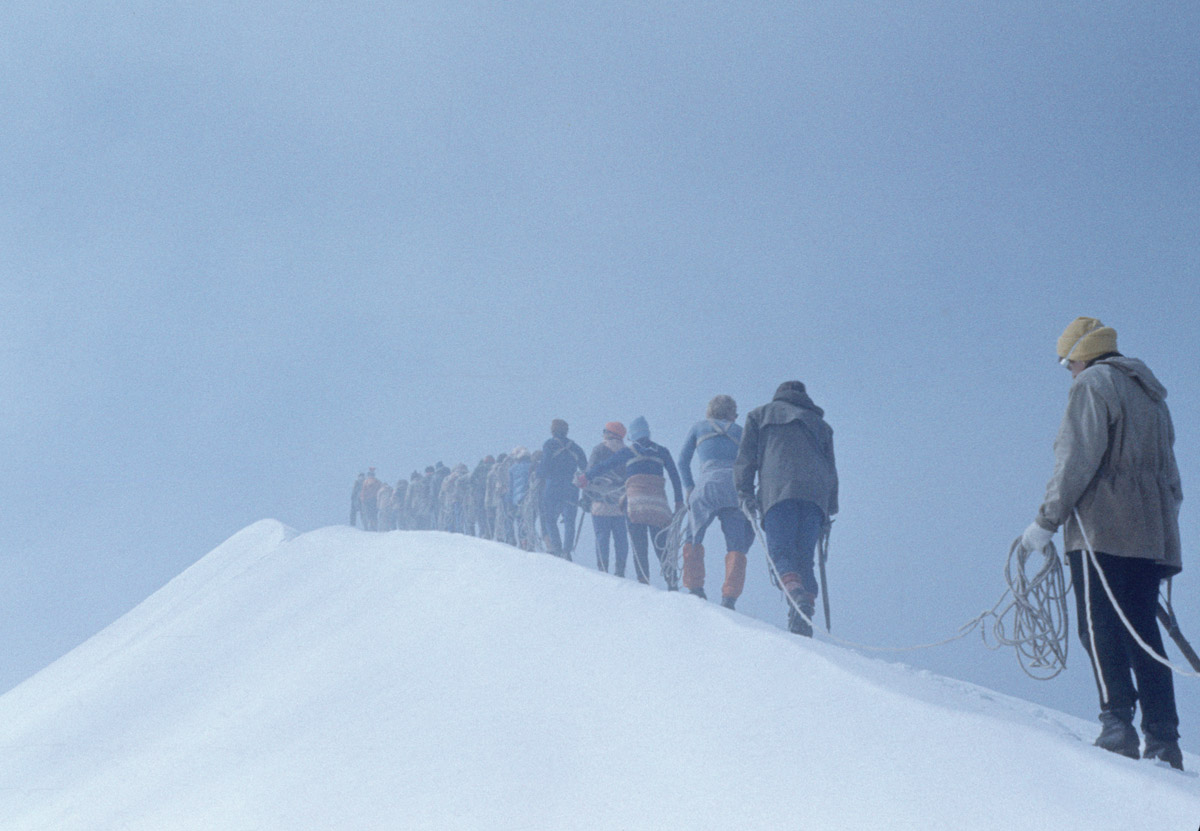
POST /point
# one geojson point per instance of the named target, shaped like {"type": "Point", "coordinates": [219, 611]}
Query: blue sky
{"type": "Point", "coordinates": [250, 251]}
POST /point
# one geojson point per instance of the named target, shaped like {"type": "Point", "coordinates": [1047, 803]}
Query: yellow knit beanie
{"type": "Point", "coordinates": [1086, 338]}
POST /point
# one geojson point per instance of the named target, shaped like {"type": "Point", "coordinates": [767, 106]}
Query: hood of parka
{"type": "Point", "coordinates": [793, 392]}
{"type": "Point", "coordinates": [1138, 371]}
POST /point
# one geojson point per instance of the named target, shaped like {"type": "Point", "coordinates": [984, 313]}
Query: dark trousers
{"type": "Point", "coordinates": [614, 527]}
{"type": "Point", "coordinates": [643, 537]}
{"type": "Point", "coordinates": [1118, 659]}
{"type": "Point", "coordinates": [552, 509]}
{"type": "Point", "coordinates": [792, 528]}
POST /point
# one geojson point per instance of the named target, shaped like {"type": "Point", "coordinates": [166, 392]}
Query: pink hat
{"type": "Point", "coordinates": [616, 428]}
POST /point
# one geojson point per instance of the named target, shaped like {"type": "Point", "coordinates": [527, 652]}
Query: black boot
{"type": "Point", "coordinates": [728, 602]}
{"type": "Point", "coordinates": [797, 625]}
{"type": "Point", "coordinates": [699, 593]}
{"type": "Point", "coordinates": [1162, 744]}
{"type": "Point", "coordinates": [1117, 734]}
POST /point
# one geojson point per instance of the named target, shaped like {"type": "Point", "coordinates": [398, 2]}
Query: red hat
{"type": "Point", "coordinates": [616, 428]}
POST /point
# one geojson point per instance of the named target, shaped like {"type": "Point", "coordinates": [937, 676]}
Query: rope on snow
{"type": "Point", "coordinates": [1038, 630]}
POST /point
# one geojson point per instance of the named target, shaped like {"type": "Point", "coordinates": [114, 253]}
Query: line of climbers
{"type": "Point", "coordinates": [531, 500]}
{"type": "Point", "coordinates": [1115, 492]}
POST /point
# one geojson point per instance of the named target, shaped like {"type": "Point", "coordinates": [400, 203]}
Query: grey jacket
{"type": "Point", "coordinates": [1114, 461]}
{"type": "Point", "coordinates": [790, 447]}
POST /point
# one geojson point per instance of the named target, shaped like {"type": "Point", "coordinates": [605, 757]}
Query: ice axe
{"type": "Point", "coordinates": [824, 556]}
{"type": "Point", "coordinates": [1166, 616]}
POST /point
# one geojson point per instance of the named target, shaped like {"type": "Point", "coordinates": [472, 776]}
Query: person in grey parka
{"type": "Point", "coordinates": [1115, 491]}
{"type": "Point", "coordinates": [788, 445]}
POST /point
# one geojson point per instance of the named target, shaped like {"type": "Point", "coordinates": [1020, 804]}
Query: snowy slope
{"type": "Point", "coordinates": [346, 680]}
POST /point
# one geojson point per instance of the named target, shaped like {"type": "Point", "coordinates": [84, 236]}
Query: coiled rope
{"type": "Point", "coordinates": [1039, 629]}
{"type": "Point", "coordinates": [670, 538]}
{"type": "Point", "coordinates": [671, 543]}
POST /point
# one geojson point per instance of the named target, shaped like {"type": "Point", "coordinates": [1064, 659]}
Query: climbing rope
{"type": "Point", "coordinates": [1095, 561]}
{"type": "Point", "coordinates": [670, 538]}
{"type": "Point", "coordinates": [1038, 608]}
{"type": "Point", "coordinates": [1038, 629]}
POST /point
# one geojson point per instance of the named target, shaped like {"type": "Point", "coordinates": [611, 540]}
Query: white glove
{"type": "Point", "coordinates": [1035, 537]}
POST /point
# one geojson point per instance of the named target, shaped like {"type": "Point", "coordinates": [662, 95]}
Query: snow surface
{"type": "Point", "coordinates": [345, 680]}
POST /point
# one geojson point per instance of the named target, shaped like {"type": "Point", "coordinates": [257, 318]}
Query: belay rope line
{"type": "Point", "coordinates": [1034, 622]}
{"type": "Point", "coordinates": [671, 536]}
{"type": "Point", "coordinates": [1095, 563]}
{"type": "Point", "coordinates": [1039, 628]}
{"type": "Point", "coordinates": [1038, 607]}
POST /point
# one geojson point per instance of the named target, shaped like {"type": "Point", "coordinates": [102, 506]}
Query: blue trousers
{"type": "Point", "coordinates": [792, 528]}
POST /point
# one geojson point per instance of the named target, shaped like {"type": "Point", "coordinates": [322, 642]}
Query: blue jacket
{"type": "Point", "coordinates": [709, 440]}
{"type": "Point", "coordinates": [641, 457]}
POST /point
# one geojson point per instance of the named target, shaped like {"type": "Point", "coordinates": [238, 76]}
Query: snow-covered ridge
{"type": "Point", "coordinates": [345, 680]}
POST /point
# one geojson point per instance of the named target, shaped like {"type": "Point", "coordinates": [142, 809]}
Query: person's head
{"type": "Point", "coordinates": [789, 388]}
{"type": "Point", "coordinates": [558, 428]}
{"type": "Point", "coordinates": [489, 459]}
{"type": "Point", "coordinates": [1084, 341]}
{"type": "Point", "coordinates": [371, 472]}
{"type": "Point", "coordinates": [614, 430]}
{"type": "Point", "coordinates": [722, 408]}
{"type": "Point", "coordinates": [639, 429]}
{"type": "Point", "coordinates": [428, 470]}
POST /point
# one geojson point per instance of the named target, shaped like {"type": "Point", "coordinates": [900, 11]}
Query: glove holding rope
{"type": "Point", "coordinates": [1036, 537]}
{"type": "Point", "coordinates": [750, 506]}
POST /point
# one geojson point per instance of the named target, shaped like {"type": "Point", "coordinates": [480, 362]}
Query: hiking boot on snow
{"type": "Point", "coordinates": [798, 597]}
{"type": "Point", "coordinates": [728, 602]}
{"type": "Point", "coordinates": [1164, 750]}
{"type": "Point", "coordinates": [698, 593]}
{"type": "Point", "coordinates": [796, 623]}
{"type": "Point", "coordinates": [1117, 734]}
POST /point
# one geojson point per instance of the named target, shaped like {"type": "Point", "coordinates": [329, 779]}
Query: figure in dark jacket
{"type": "Point", "coordinates": [647, 465]}
{"type": "Point", "coordinates": [789, 447]}
{"type": "Point", "coordinates": [561, 460]}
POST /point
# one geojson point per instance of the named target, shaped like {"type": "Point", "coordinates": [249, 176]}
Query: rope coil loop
{"type": "Point", "coordinates": [1039, 625]}
{"type": "Point", "coordinates": [671, 536]}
